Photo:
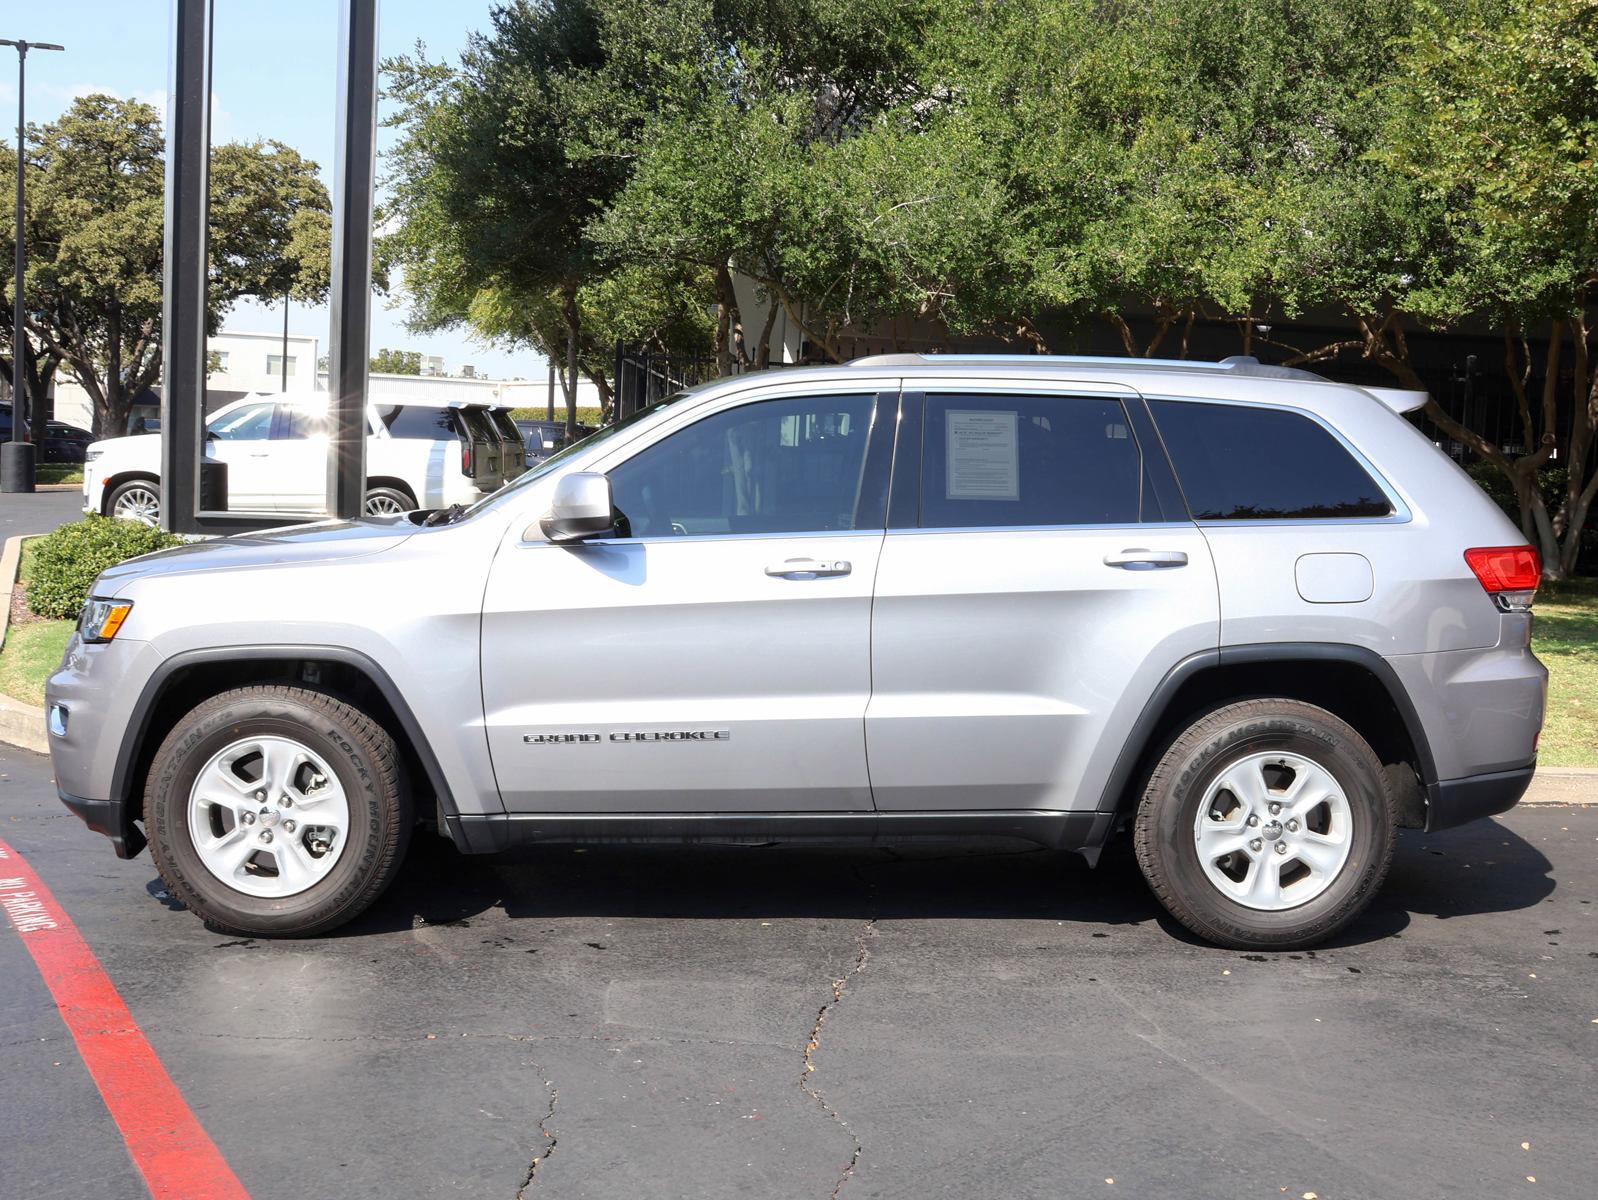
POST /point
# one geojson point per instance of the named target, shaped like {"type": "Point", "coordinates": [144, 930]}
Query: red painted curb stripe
{"type": "Point", "coordinates": [168, 1146]}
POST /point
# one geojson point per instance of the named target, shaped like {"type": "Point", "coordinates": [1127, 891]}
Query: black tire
{"type": "Point", "coordinates": [1167, 852]}
{"type": "Point", "coordinates": [384, 496]}
{"type": "Point", "coordinates": [367, 764]}
{"type": "Point", "coordinates": [121, 490]}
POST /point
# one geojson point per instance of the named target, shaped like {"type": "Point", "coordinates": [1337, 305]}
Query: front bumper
{"type": "Point", "coordinates": [1451, 802]}
{"type": "Point", "coordinates": [110, 818]}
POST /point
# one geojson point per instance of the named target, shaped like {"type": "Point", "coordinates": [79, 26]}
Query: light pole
{"type": "Point", "coordinates": [16, 456]}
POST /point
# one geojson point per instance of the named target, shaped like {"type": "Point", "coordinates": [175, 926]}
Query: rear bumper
{"type": "Point", "coordinates": [1451, 802]}
{"type": "Point", "coordinates": [110, 818]}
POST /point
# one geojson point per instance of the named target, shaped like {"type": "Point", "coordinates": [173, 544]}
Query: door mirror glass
{"type": "Point", "coordinates": [582, 508]}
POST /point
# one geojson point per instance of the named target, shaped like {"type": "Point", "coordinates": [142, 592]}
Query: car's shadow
{"type": "Point", "coordinates": [1482, 869]}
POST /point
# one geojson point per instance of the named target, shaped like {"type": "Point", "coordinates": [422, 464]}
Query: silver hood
{"type": "Point", "coordinates": [271, 548]}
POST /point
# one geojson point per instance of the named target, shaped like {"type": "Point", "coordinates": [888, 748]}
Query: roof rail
{"type": "Point", "coordinates": [1238, 364]}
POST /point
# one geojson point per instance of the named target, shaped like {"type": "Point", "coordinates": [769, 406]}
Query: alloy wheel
{"type": "Point", "coordinates": [268, 816]}
{"type": "Point", "coordinates": [1274, 831]}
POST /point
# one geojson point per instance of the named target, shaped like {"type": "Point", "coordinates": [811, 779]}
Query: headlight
{"type": "Point", "coordinates": [91, 455]}
{"type": "Point", "coordinates": [101, 619]}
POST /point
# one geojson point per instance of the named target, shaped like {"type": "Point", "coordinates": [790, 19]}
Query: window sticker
{"type": "Point", "coordinates": [983, 460]}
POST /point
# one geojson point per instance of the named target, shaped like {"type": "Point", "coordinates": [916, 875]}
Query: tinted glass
{"type": "Point", "coordinates": [1238, 462]}
{"type": "Point", "coordinates": [482, 428]}
{"type": "Point", "coordinates": [253, 422]}
{"type": "Point", "coordinates": [1001, 461]}
{"type": "Point", "coordinates": [778, 466]}
{"type": "Point", "coordinates": [303, 424]}
{"type": "Point", "coordinates": [506, 426]}
{"type": "Point", "coordinates": [416, 421]}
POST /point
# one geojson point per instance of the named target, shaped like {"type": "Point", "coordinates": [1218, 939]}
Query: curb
{"type": "Point", "coordinates": [20, 724]}
{"type": "Point", "coordinates": [10, 563]}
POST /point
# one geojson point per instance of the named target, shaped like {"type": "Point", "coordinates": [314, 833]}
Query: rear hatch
{"type": "Point", "coordinates": [485, 460]}
{"type": "Point", "coordinates": [511, 444]}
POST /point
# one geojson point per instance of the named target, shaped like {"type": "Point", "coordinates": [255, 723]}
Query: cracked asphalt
{"type": "Point", "coordinates": [940, 1021]}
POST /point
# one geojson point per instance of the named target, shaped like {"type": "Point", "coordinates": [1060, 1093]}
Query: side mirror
{"type": "Point", "coordinates": [582, 508]}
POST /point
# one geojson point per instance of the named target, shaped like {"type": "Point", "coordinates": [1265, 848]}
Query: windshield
{"type": "Point", "coordinates": [555, 460]}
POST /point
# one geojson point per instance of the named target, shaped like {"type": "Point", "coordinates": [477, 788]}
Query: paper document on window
{"type": "Point", "coordinates": [983, 461]}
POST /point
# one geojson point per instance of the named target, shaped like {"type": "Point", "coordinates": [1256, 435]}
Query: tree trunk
{"type": "Point", "coordinates": [573, 327]}
{"type": "Point", "coordinates": [729, 329]}
{"type": "Point", "coordinates": [762, 358]}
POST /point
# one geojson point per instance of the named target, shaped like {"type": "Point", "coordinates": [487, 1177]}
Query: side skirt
{"type": "Point", "coordinates": [1083, 832]}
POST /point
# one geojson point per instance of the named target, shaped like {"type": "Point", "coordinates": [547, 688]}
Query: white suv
{"type": "Point", "coordinates": [419, 454]}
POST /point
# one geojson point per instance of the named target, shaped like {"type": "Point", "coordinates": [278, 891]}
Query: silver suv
{"type": "Point", "coordinates": [1252, 617]}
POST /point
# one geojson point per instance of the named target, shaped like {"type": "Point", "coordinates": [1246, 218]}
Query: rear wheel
{"type": "Point", "coordinates": [137, 500]}
{"type": "Point", "coordinates": [277, 811]}
{"type": "Point", "coordinates": [1267, 824]}
{"type": "Point", "coordinates": [387, 502]}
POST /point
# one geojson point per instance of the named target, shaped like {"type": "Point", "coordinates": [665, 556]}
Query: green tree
{"type": "Point", "coordinates": [397, 362]}
{"type": "Point", "coordinates": [1494, 113]}
{"type": "Point", "coordinates": [93, 229]}
{"type": "Point", "coordinates": [491, 210]}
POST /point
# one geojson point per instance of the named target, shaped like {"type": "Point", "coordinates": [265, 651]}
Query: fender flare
{"type": "Point", "coordinates": [1142, 733]}
{"type": "Point", "coordinates": [155, 686]}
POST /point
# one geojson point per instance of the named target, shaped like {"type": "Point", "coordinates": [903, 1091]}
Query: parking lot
{"type": "Point", "coordinates": [935, 1021]}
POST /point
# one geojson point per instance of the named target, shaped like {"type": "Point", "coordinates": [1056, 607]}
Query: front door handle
{"type": "Point", "coordinates": [808, 568]}
{"type": "Point", "coordinates": [1139, 559]}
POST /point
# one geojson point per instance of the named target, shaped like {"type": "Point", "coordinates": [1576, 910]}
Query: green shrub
{"type": "Point", "coordinates": [537, 412]}
{"type": "Point", "coordinates": [63, 565]}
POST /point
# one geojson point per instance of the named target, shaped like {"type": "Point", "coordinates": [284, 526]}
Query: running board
{"type": "Point", "coordinates": [1085, 832]}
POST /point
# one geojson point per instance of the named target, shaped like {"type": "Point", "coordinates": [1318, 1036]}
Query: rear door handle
{"type": "Point", "coordinates": [1138, 559]}
{"type": "Point", "coordinates": [808, 567]}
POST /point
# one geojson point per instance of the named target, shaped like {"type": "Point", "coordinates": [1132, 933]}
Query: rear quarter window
{"type": "Point", "coordinates": [1242, 463]}
{"type": "Point", "coordinates": [416, 421]}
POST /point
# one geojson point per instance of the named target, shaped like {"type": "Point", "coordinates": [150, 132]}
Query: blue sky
{"type": "Point", "coordinates": [273, 76]}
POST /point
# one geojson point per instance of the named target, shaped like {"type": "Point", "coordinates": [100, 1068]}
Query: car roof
{"type": "Point", "coordinates": [1243, 376]}
{"type": "Point", "coordinates": [321, 400]}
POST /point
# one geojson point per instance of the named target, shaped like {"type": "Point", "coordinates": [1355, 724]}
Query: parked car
{"type": "Point", "coordinates": [543, 438]}
{"type": "Point", "coordinates": [419, 454]}
{"type": "Point", "coordinates": [1247, 616]}
{"type": "Point", "coordinates": [62, 443]}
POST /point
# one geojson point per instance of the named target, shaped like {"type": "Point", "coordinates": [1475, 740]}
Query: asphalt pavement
{"type": "Point", "coordinates": [38, 512]}
{"type": "Point", "coordinates": [944, 1021]}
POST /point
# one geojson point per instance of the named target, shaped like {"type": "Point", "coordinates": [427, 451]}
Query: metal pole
{"type": "Point", "coordinates": [185, 253]}
{"type": "Point", "coordinates": [355, 177]}
{"type": "Point", "coordinates": [18, 344]}
{"type": "Point", "coordinates": [19, 414]}
{"type": "Point", "coordinates": [17, 456]}
{"type": "Point", "coordinates": [284, 364]}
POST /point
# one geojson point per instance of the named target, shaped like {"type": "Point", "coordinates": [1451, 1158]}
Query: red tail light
{"type": "Point", "coordinates": [466, 458]}
{"type": "Point", "coordinates": [1506, 568]}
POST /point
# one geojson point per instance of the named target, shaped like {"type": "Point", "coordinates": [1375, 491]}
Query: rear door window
{"type": "Point", "coordinates": [1003, 461]}
{"type": "Point", "coordinates": [1244, 463]}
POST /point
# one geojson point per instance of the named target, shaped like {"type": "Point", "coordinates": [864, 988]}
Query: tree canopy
{"type": "Point", "coordinates": [937, 171]}
{"type": "Point", "coordinates": [93, 233]}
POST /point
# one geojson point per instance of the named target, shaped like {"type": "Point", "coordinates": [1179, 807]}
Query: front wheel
{"type": "Point", "coordinates": [1267, 824]}
{"type": "Point", "coordinates": [137, 500]}
{"type": "Point", "coordinates": [277, 811]}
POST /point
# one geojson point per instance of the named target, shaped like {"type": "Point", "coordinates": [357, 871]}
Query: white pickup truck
{"type": "Point", "coordinates": [419, 454]}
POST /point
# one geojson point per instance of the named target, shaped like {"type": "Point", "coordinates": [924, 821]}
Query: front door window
{"type": "Point", "coordinates": [775, 467]}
